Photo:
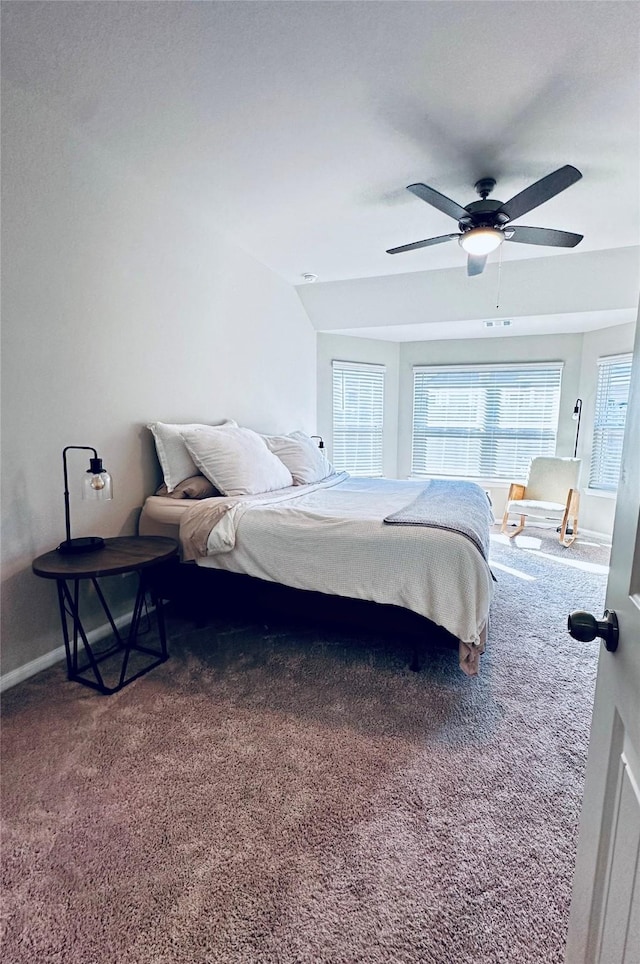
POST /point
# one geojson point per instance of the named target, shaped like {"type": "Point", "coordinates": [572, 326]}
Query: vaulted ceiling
{"type": "Point", "coordinates": [296, 126]}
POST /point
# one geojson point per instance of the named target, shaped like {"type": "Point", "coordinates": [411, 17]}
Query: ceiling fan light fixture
{"type": "Point", "coordinates": [481, 241]}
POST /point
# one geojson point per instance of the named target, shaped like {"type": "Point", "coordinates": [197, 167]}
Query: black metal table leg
{"type": "Point", "coordinates": [147, 557]}
{"type": "Point", "coordinates": [69, 612]}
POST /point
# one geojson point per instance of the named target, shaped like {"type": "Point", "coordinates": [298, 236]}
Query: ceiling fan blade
{"type": "Point", "coordinates": [422, 244]}
{"type": "Point", "coordinates": [439, 201]}
{"type": "Point", "coordinates": [548, 236]}
{"type": "Point", "coordinates": [544, 189]}
{"type": "Point", "coordinates": [476, 263]}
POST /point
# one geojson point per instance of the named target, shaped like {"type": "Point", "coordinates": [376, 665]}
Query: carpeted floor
{"type": "Point", "coordinates": [296, 795]}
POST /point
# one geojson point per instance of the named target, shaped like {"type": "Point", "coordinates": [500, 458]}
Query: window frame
{"type": "Point", "coordinates": [607, 431]}
{"type": "Point", "coordinates": [369, 462]}
{"type": "Point", "coordinates": [490, 433]}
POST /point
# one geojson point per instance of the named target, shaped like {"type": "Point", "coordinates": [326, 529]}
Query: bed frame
{"type": "Point", "coordinates": [199, 592]}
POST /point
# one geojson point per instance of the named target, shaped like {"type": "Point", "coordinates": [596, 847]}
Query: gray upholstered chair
{"type": "Point", "coordinates": [550, 493]}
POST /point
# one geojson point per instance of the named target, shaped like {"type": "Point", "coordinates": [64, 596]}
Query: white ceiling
{"type": "Point", "coordinates": [296, 126]}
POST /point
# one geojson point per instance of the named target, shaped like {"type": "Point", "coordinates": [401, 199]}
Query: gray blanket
{"type": "Point", "coordinates": [458, 506]}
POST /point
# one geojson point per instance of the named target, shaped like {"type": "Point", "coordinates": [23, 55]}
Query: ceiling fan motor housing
{"type": "Point", "coordinates": [483, 214]}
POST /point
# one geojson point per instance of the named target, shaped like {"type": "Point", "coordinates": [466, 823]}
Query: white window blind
{"type": "Point", "coordinates": [484, 421]}
{"type": "Point", "coordinates": [612, 396]}
{"type": "Point", "coordinates": [358, 405]}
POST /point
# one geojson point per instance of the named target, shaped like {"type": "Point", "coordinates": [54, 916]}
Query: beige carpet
{"type": "Point", "coordinates": [294, 794]}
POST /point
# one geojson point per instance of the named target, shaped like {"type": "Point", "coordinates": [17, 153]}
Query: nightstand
{"type": "Point", "coordinates": [148, 556]}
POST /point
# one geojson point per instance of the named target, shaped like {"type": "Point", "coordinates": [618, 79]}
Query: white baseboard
{"type": "Point", "coordinates": [603, 537]}
{"type": "Point", "coordinates": [15, 676]}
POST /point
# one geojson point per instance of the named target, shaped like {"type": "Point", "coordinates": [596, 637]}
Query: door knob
{"type": "Point", "coordinates": [585, 627]}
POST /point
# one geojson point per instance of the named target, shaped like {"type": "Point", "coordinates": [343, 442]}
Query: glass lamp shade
{"type": "Point", "coordinates": [96, 484]}
{"type": "Point", "coordinates": [480, 241]}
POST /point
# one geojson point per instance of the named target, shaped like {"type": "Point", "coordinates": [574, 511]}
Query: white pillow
{"type": "Point", "coordinates": [236, 460]}
{"type": "Point", "coordinates": [306, 462]}
{"type": "Point", "coordinates": [175, 461]}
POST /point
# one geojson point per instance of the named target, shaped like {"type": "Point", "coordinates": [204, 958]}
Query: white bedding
{"type": "Point", "coordinates": [330, 537]}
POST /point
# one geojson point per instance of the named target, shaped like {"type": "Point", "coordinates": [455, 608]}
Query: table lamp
{"type": "Point", "coordinates": [96, 485]}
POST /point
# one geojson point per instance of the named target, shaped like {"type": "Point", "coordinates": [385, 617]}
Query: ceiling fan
{"type": "Point", "coordinates": [484, 224]}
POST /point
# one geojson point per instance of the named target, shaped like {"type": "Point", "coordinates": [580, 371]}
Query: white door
{"type": "Point", "coordinates": [604, 924]}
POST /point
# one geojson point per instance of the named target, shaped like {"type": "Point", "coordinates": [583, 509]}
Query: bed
{"type": "Point", "coordinates": [421, 546]}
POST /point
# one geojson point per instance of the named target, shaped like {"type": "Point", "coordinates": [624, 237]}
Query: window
{"type": "Point", "coordinates": [358, 403]}
{"type": "Point", "coordinates": [483, 421]}
{"type": "Point", "coordinates": [612, 395]}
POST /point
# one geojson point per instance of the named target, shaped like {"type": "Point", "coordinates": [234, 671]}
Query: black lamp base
{"type": "Point", "coordinates": [83, 544]}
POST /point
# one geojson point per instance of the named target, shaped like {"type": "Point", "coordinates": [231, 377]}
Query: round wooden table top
{"type": "Point", "coordinates": [120, 554]}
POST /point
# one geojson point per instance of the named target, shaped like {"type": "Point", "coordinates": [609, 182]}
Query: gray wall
{"type": "Point", "coordinates": [119, 307]}
{"type": "Point", "coordinates": [578, 352]}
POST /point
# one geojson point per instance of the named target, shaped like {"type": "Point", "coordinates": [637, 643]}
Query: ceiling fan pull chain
{"type": "Point", "coordinates": [499, 276]}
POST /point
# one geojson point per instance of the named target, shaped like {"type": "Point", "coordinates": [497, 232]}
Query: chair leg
{"type": "Point", "coordinates": [570, 513]}
{"type": "Point", "coordinates": [573, 528]}
{"type": "Point", "coordinates": [505, 521]}
{"type": "Point", "coordinates": [516, 491]}
{"type": "Point", "coordinates": [512, 532]}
